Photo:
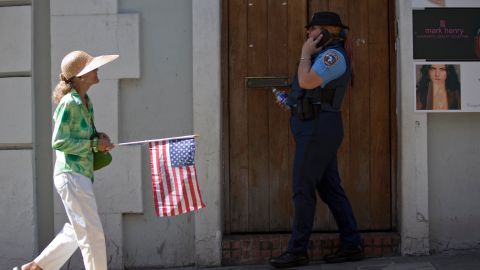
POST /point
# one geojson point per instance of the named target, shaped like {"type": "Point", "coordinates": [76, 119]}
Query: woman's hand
{"type": "Point", "coordinates": [103, 134]}
{"type": "Point", "coordinates": [104, 143]}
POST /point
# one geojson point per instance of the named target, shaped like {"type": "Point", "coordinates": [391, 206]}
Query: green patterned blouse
{"type": "Point", "coordinates": [71, 135]}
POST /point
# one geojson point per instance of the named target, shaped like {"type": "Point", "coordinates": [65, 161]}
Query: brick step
{"type": "Point", "coordinates": [258, 248]}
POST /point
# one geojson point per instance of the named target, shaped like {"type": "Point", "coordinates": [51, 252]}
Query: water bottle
{"type": "Point", "coordinates": [281, 98]}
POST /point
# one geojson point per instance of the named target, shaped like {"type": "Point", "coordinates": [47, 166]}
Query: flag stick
{"type": "Point", "coordinates": [155, 140]}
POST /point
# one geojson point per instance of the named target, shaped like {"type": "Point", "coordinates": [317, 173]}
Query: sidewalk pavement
{"type": "Point", "coordinates": [465, 261]}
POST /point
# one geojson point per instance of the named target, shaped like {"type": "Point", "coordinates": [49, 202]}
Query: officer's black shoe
{"type": "Point", "coordinates": [345, 255]}
{"type": "Point", "coordinates": [288, 259]}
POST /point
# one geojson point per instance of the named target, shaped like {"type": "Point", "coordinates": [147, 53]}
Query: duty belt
{"type": "Point", "coordinates": [303, 113]}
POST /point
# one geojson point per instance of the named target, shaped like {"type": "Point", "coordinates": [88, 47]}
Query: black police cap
{"type": "Point", "coordinates": [326, 18]}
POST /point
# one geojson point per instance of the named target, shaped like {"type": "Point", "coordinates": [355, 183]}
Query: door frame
{"type": "Point", "coordinates": [224, 64]}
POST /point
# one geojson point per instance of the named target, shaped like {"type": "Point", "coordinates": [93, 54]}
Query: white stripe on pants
{"type": "Point", "coordinates": [84, 230]}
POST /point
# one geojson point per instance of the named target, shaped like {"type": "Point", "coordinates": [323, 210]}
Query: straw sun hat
{"type": "Point", "coordinates": [78, 63]}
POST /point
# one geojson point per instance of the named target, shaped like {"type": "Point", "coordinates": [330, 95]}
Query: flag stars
{"type": "Point", "coordinates": [182, 152]}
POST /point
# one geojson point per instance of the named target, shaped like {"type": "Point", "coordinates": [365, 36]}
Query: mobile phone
{"type": "Point", "coordinates": [326, 37]}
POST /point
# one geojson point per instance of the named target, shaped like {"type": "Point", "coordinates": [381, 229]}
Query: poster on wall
{"type": "Point", "coordinates": [446, 55]}
{"type": "Point", "coordinates": [444, 3]}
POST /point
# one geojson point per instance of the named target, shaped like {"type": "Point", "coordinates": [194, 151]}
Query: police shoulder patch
{"type": "Point", "coordinates": [330, 58]}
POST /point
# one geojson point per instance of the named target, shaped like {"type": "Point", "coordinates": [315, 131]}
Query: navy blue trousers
{"type": "Point", "coordinates": [315, 170]}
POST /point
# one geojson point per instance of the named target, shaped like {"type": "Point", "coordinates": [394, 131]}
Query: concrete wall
{"type": "Point", "coordinates": [412, 145]}
{"type": "Point", "coordinates": [207, 122]}
{"type": "Point", "coordinates": [157, 105]}
{"type": "Point", "coordinates": [17, 214]}
{"type": "Point", "coordinates": [177, 94]}
{"type": "Point", "coordinates": [147, 93]}
{"type": "Point", "coordinates": [438, 165]}
{"type": "Point", "coordinates": [18, 220]}
{"type": "Point", "coordinates": [453, 172]}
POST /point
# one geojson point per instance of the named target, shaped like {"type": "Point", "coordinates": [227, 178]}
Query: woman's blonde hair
{"type": "Point", "coordinates": [63, 87]}
{"type": "Point", "coordinates": [334, 30]}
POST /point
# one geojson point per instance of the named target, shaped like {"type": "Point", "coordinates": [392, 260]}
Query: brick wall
{"type": "Point", "coordinates": [257, 249]}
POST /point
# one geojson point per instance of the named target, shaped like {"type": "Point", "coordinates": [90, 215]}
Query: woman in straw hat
{"type": "Point", "coordinates": [73, 174]}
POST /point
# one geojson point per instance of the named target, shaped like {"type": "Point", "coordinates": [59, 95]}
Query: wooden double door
{"type": "Point", "coordinates": [263, 38]}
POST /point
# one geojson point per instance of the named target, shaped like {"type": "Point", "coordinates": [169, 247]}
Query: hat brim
{"type": "Point", "coordinates": [341, 25]}
{"type": "Point", "coordinates": [97, 62]}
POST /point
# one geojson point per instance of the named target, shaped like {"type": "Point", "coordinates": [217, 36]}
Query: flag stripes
{"type": "Point", "coordinates": [175, 188]}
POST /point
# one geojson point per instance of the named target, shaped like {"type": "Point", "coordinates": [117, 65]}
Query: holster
{"type": "Point", "coordinates": [304, 110]}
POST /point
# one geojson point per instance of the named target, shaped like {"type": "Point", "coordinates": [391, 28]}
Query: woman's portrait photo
{"type": "Point", "coordinates": [438, 87]}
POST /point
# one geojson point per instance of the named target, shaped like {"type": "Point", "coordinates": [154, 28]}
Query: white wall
{"type": "Point", "coordinates": [207, 122]}
{"type": "Point", "coordinates": [454, 186]}
{"type": "Point", "coordinates": [438, 165]}
{"type": "Point", "coordinates": [157, 105]}
{"type": "Point", "coordinates": [16, 42]}
{"type": "Point", "coordinates": [17, 213]}
{"type": "Point", "coordinates": [18, 220]}
{"type": "Point", "coordinates": [412, 145]}
{"type": "Point", "coordinates": [164, 102]}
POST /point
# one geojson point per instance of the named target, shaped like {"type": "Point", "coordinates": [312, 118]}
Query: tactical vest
{"type": "Point", "coordinates": [331, 95]}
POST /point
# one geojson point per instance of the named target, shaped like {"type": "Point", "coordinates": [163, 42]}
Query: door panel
{"type": "Point", "coordinates": [264, 38]}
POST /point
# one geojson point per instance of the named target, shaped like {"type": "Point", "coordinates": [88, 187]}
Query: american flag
{"type": "Point", "coordinates": [174, 177]}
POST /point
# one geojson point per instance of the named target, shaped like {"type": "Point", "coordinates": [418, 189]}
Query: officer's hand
{"type": "Point", "coordinates": [310, 46]}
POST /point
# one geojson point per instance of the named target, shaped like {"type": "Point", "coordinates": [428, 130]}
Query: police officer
{"type": "Point", "coordinates": [317, 91]}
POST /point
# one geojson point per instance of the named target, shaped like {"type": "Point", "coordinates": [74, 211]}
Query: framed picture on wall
{"type": "Point", "coordinates": [438, 87]}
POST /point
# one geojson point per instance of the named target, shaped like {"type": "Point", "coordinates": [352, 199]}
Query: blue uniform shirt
{"type": "Point", "coordinates": [329, 65]}
{"type": "Point", "coordinates": [332, 66]}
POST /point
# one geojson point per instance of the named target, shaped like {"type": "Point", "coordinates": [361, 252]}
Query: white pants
{"type": "Point", "coordinates": [84, 230]}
